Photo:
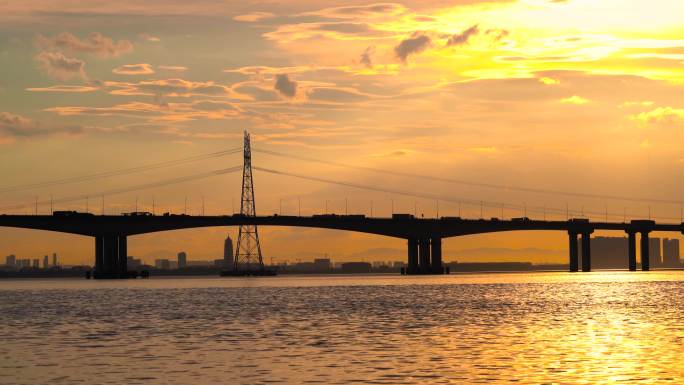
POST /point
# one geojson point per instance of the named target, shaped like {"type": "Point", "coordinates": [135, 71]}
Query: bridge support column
{"type": "Point", "coordinates": [436, 246]}
{"type": "Point", "coordinates": [123, 256]}
{"type": "Point", "coordinates": [111, 252]}
{"type": "Point", "coordinates": [631, 249]}
{"type": "Point", "coordinates": [586, 251]}
{"type": "Point", "coordinates": [645, 258]}
{"type": "Point", "coordinates": [574, 252]}
{"type": "Point", "coordinates": [99, 255]}
{"type": "Point", "coordinates": [412, 256]}
{"type": "Point", "coordinates": [424, 254]}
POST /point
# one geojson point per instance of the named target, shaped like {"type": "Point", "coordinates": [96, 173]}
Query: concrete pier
{"type": "Point", "coordinates": [111, 256]}
{"type": "Point", "coordinates": [412, 256]}
{"type": "Point", "coordinates": [586, 251]}
{"type": "Point", "coordinates": [631, 249]}
{"type": "Point", "coordinates": [436, 246]}
{"type": "Point", "coordinates": [645, 257]}
{"type": "Point", "coordinates": [574, 252]}
{"type": "Point", "coordinates": [424, 255]}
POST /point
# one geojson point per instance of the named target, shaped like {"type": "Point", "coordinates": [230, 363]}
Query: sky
{"type": "Point", "coordinates": [545, 108]}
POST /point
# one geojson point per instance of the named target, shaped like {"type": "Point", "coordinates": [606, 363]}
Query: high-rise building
{"type": "Point", "coordinates": [54, 259]}
{"type": "Point", "coordinates": [182, 259]}
{"type": "Point", "coordinates": [11, 260]}
{"type": "Point", "coordinates": [607, 252]}
{"type": "Point", "coordinates": [36, 263]}
{"type": "Point", "coordinates": [228, 253]}
{"type": "Point", "coordinates": [162, 264]}
{"type": "Point", "coordinates": [655, 257]}
{"type": "Point", "coordinates": [45, 262]}
{"type": "Point", "coordinates": [670, 252]}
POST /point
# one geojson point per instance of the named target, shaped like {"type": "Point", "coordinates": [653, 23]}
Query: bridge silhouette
{"type": "Point", "coordinates": [423, 235]}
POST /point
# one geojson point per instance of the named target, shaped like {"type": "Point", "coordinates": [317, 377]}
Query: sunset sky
{"type": "Point", "coordinates": [584, 97]}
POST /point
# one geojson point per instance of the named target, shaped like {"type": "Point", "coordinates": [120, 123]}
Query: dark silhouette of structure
{"type": "Point", "coordinates": [248, 257]}
{"type": "Point", "coordinates": [110, 232]}
{"type": "Point", "coordinates": [228, 253]}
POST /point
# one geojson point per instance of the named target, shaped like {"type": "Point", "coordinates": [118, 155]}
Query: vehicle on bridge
{"type": "Point", "coordinates": [138, 214]}
{"type": "Point", "coordinates": [70, 213]}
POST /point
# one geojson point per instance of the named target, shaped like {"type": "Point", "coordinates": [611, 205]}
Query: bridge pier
{"type": "Point", "coordinates": [586, 251]}
{"type": "Point", "coordinates": [412, 256]}
{"type": "Point", "coordinates": [424, 255]}
{"type": "Point", "coordinates": [645, 258]}
{"type": "Point", "coordinates": [111, 253]}
{"type": "Point", "coordinates": [436, 246]}
{"type": "Point", "coordinates": [631, 250]}
{"type": "Point", "coordinates": [574, 252]}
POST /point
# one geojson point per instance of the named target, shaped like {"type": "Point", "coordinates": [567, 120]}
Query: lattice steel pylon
{"type": "Point", "coordinates": [248, 251]}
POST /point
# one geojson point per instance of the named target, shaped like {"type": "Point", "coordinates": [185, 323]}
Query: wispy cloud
{"type": "Point", "coordinates": [60, 67]}
{"type": "Point", "coordinates": [95, 43]}
{"type": "Point", "coordinates": [418, 42]}
{"type": "Point", "coordinates": [253, 17]}
{"type": "Point", "coordinates": [134, 69]}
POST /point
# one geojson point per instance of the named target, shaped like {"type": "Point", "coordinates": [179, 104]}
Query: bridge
{"type": "Point", "coordinates": [423, 236]}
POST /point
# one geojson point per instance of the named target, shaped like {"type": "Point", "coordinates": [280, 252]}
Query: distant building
{"type": "Point", "coordinates": [228, 253]}
{"type": "Point", "coordinates": [182, 259]}
{"type": "Point", "coordinates": [608, 252]}
{"type": "Point", "coordinates": [36, 263]}
{"type": "Point", "coordinates": [11, 260]}
{"type": "Point", "coordinates": [220, 263]}
{"type": "Point", "coordinates": [201, 263]}
{"type": "Point", "coordinates": [322, 264]}
{"type": "Point", "coordinates": [46, 262]}
{"type": "Point", "coordinates": [54, 259]}
{"type": "Point", "coordinates": [655, 257]}
{"type": "Point", "coordinates": [133, 263]}
{"type": "Point", "coordinates": [162, 264]}
{"type": "Point", "coordinates": [356, 267]}
{"type": "Point", "coordinates": [398, 264]}
{"type": "Point", "coordinates": [671, 252]}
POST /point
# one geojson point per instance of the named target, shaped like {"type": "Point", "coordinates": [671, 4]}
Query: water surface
{"type": "Point", "coordinates": [601, 327]}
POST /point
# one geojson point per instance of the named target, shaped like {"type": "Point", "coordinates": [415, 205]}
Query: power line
{"type": "Point", "coordinates": [122, 190]}
{"type": "Point", "coordinates": [471, 202]}
{"type": "Point", "coordinates": [125, 171]}
{"type": "Point", "coordinates": [473, 183]}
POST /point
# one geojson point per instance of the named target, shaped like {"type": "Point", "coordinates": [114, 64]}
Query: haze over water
{"type": "Point", "coordinates": [602, 327]}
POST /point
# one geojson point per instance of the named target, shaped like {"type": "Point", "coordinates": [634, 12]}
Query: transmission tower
{"type": "Point", "coordinates": [248, 251]}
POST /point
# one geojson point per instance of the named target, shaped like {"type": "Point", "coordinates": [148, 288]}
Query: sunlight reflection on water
{"type": "Point", "coordinates": [601, 327]}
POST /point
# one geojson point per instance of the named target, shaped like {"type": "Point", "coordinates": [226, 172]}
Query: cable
{"type": "Point", "coordinates": [134, 188]}
{"type": "Point", "coordinates": [476, 184]}
{"type": "Point", "coordinates": [131, 170]}
{"type": "Point", "coordinates": [471, 202]}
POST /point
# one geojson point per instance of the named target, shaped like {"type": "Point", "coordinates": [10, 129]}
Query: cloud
{"type": "Point", "coordinates": [285, 86]}
{"type": "Point", "coordinates": [63, 88]}
{"type": "Point", "coordinates": [150, 38]}
{"type": "Point", "coordinates": [95, 44]}
{"type": "Point", "coordinates": [342, 30]}
{"type": "Point", "coordinates": [134, 69]}
{"type": "Point", "coordinates": [173, 68]}
{"type": "Point", "coordinates": [366, 56]}
{"type": "Point", "coordinates": [60, 67]}
{"type": "Point", "coordinates": [357, 11]}
{"type": "Point", "coordinates": [418, 42]}
{"type": "Point", "coordinates": [170, 87]}
{"type": "Point", "coordinates": [16, 126]}
{"type": "Point", "coordinates": [574, 100]}
{"type": "Point", "coordinates": [462, 38]}
{"type": "Point", "coordinates": [167, 112]}
{"type": "Point", "coordinates": [661, 115]}
{"type": "Point", "coordinates": [253, 17]}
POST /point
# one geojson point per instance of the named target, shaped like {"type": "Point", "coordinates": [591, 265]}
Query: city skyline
{"type": "Point", "coordinates": [497, 92]}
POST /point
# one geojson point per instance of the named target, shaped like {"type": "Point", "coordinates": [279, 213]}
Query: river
{"type": "Point", "coordinates": [527, 328]}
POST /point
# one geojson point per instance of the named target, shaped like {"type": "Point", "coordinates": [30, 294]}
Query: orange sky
{"type": "Point", "coordinates": [578, 96]}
